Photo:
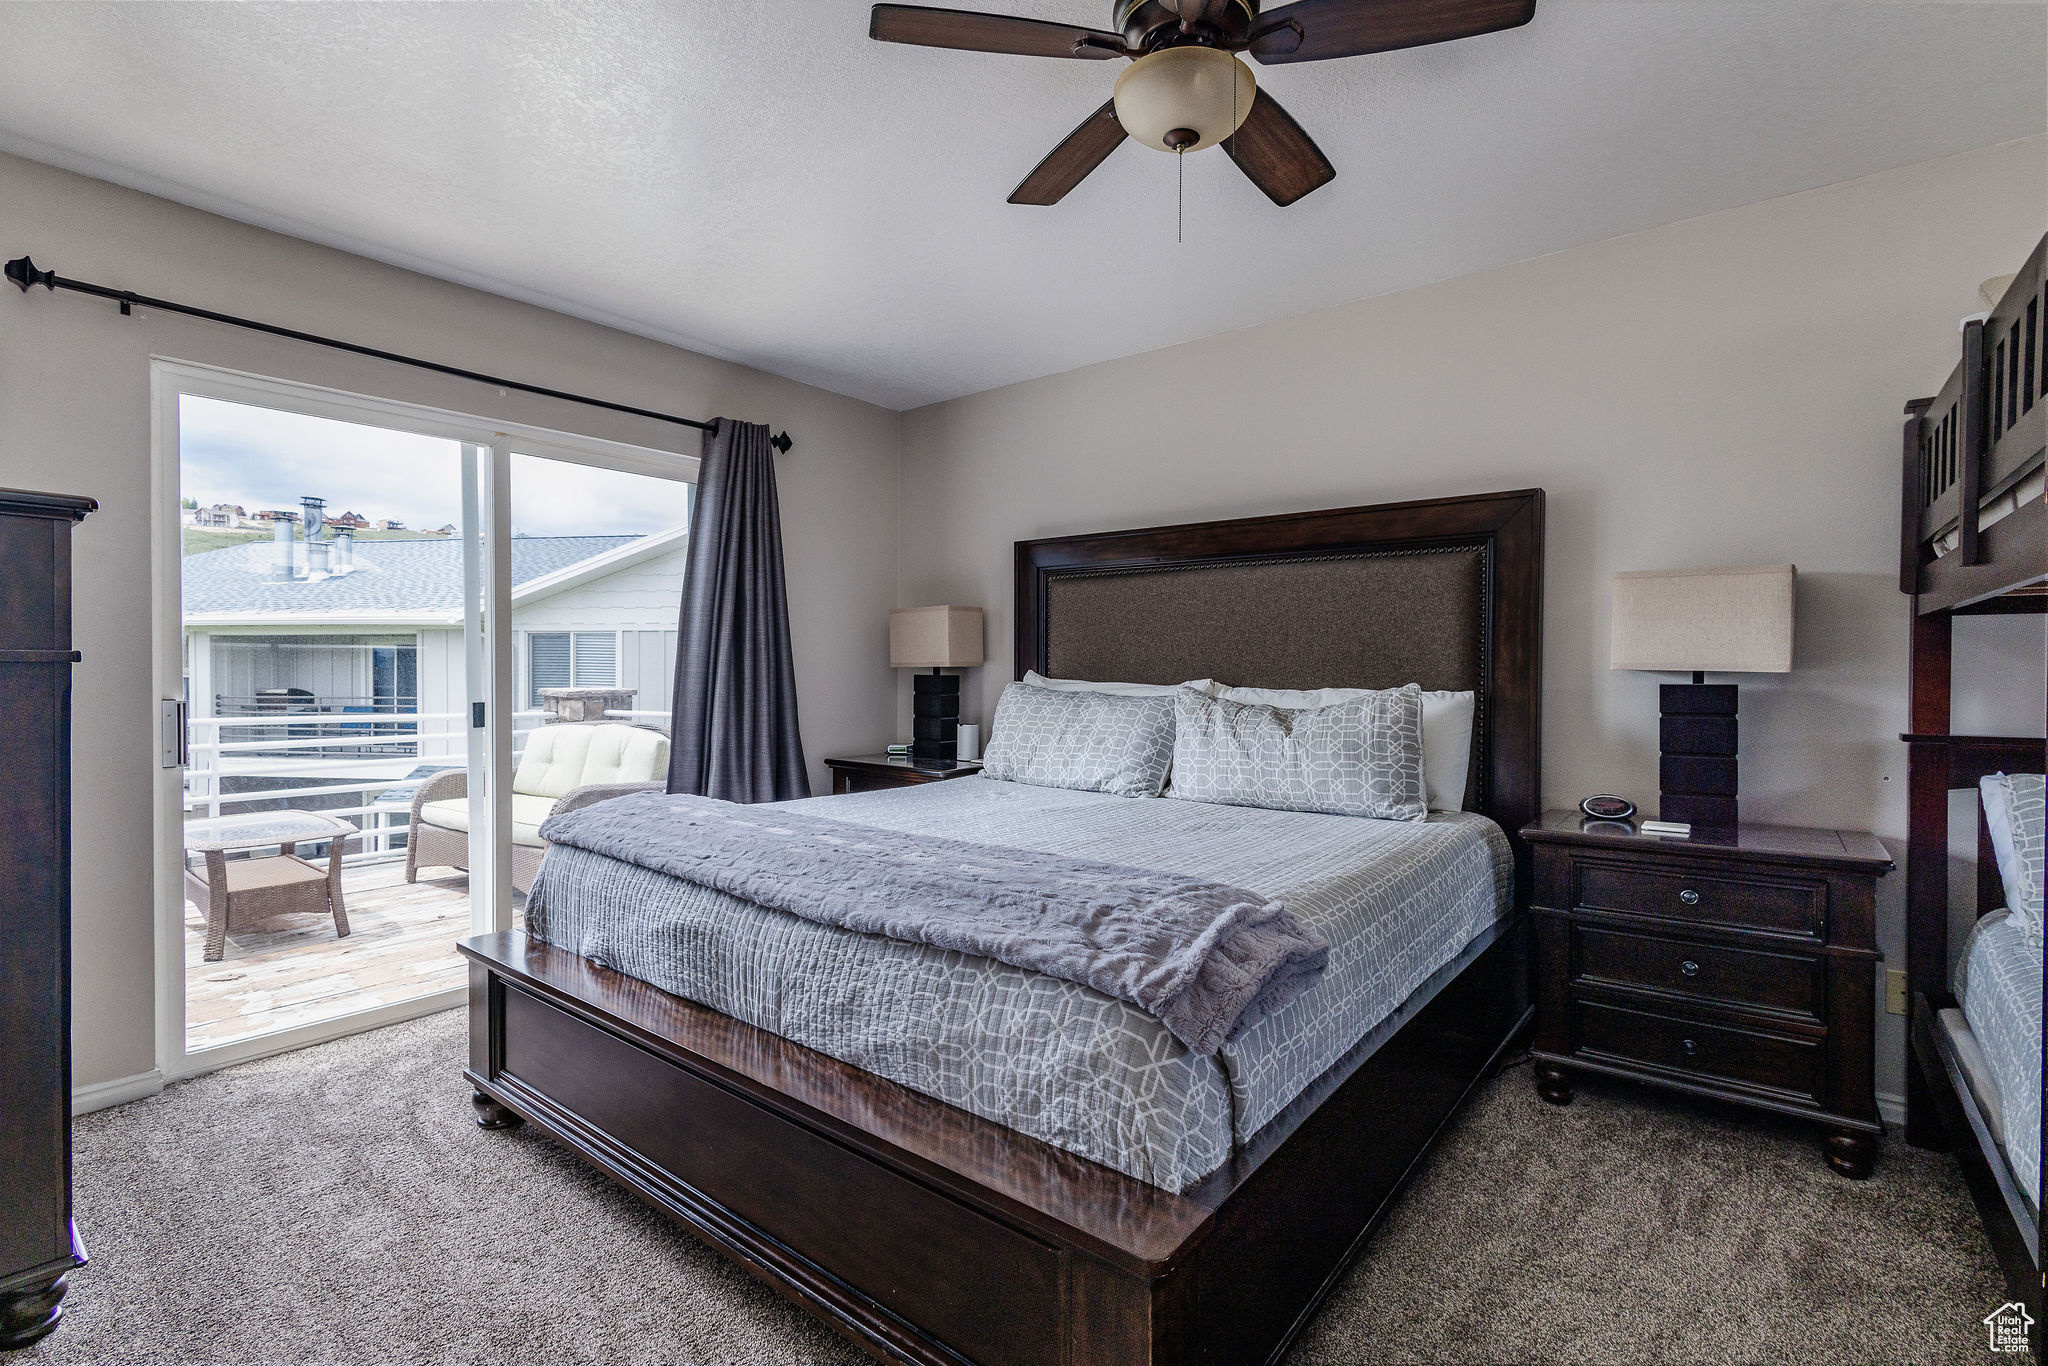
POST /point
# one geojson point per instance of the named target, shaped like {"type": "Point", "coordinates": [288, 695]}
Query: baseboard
{"type": "Point", "coordinates": [121, 1090]}
{"type": "Point", "coordinates": [1891, 1109]}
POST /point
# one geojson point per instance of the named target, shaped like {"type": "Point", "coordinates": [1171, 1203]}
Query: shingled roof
{"type": "Point", "coordinates": [404, 578]}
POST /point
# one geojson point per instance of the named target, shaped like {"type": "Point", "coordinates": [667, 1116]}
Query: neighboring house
{"type": "Point", "coordinates": [275, 515]}
{"type": "Point", "coordinates": [386, 635]}
{"type": "Point", "coordinates": [391, 524]}
{"type": "Point", "coordinates": [219, 515]}
{"type": "Point", "coordinates": [349, 521]}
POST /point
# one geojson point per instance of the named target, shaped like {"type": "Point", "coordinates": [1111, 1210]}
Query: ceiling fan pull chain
{"type": "Point", "coordinates": [1180, 193]}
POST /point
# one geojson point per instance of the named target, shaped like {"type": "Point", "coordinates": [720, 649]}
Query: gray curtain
{"type": "Point", "coordinates": [734, 734]}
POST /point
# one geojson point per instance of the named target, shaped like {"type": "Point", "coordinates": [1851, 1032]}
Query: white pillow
{"type": "Point", "coordinates": [2013, 813]}
{"type": "Point", "coordinates": [1446, 731]}
{"type": "Point", "coordinates": [1039, 680]}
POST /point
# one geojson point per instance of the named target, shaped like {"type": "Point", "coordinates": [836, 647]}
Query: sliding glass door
{"type": "Point", "coordinates": [365, 613]}
{"type": "Point", "coordinates": [597, 557]}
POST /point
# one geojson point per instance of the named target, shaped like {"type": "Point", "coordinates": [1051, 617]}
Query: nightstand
{"type": "Point", "coordinates": [872, 772]}
{"type": "Point", "coordinates": [1738, 964]}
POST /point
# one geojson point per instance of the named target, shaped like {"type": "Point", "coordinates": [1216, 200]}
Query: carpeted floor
{"type": "Point", "coordinates": [338, 1205]}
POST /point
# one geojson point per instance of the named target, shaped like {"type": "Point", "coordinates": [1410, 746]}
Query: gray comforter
{"type": "Point", "coordinates": [1400, 902]}
{"type": "Point", "coordinates": [1204, 958]}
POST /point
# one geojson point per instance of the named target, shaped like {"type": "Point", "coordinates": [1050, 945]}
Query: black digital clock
{"type": "Point", "coordinates": [1607, 807]}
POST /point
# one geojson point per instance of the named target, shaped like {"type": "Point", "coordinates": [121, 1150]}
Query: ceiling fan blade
{"type": "Point", "coordinates": [1315, 30]}
{"type": "Point", "coordinates": [972, 32]}
{"type": "Point", "coordinates": [1068, 164]}
{"type": "Point", "coordinates": [1270, 148]}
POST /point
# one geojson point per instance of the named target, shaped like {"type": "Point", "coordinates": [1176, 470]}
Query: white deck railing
{"type": "Point", "coordinates": [306, 766]}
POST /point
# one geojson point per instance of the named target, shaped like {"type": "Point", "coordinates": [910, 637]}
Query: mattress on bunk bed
{"type": "Point", "coordinates": [1996, 1037]}
{"type": "Point", "coordinates": [1992, 510]}
{"type": "Point", "coordinates": [1404, 905]}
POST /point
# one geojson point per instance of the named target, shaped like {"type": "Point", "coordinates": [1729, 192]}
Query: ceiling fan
{"type": "Point", "coordinates": [1185, 88]}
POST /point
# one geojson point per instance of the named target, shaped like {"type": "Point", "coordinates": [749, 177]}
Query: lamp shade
{"type": "Point", "coordinates": [1184, 90]}
{"type": "Point", "coordinates": [1706, 620]}
{"type": "Point", "coordinates": [935, 637]}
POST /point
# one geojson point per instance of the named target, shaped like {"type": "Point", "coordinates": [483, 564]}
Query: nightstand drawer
{"type": "Point", "coordinates": [1710, 1052]}
{"type": "Point", "coordinates": [1742, 903]}
{"type": "Point", "coordinates": [1714, 972]}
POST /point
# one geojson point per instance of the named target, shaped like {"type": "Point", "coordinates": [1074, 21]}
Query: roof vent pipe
{"type": "Point", "coordinates": [344, 551]}
{"type": "Point", "coordinates": [316, 549]}
{"type": "Point", "coordinates": [281, 549]}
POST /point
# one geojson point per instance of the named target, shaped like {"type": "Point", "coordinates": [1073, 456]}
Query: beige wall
{"type": "Point", "coordinates": [1723, 391]}
{"type": "Point", "coordinates": [75, 418]}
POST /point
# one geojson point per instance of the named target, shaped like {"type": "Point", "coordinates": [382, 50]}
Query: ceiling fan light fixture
{"type": "Point", "coordinates": [1165, 95]}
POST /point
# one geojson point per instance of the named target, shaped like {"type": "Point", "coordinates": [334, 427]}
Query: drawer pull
{"type": "Point", "coordinates": [1689, 897]}
{"type": "Point", "coordinates": [1689, 968]}
{"type": "Point", "coordinates": [1691, 1049]}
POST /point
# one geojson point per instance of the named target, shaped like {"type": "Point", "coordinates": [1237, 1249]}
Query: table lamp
{"type": "Point", "coordinates": [1701, 621]}
{"type": "Point", "coordinates": [935, 638]}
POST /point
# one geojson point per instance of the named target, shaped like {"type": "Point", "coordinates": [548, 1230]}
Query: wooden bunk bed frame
{"type": "Point", "coordinates": [930, 1235]}
{"type": "Point", "coordinates": [1972, 452]}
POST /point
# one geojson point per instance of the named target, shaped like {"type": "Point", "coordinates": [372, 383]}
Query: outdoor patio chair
{"type": "Point", "coordinates": [564, 767]}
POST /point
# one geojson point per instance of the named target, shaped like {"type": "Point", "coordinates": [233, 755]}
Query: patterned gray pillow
{"type": "Point", "coordinates": [2022, 871]}
{"type": "Point", "coordinates": [1357, 758]}
{"type": "Point", "coordinates": [1091, 741]}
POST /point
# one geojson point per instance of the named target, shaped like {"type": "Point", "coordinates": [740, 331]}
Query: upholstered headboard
{"type": "Point", "coordinates": [1447, 593]}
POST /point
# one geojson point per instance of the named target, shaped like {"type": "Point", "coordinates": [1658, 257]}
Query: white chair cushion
{"type": "Point", "coordinates": [527, 814]}
{"type": "Point", "coordinates": [560, 759]}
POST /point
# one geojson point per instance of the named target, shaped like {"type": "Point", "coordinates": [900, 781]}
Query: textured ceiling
{"type": "Point", "coordinates": [757, 180]}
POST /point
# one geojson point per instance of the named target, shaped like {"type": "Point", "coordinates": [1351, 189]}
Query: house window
{"type": "Point", "coordinates": [394, 677]}
{"type": "Point", "coordinates": [571, 659]}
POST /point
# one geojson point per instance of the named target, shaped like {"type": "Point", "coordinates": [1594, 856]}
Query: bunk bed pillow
{"type": "Point", "coordinates": [1356, 758]}
{"type": "Point", "coordinates": [1446, 731]}
{"type": "Point", "coordinates": [2013, 809]}
{"type": "Point", "coordinates": [1084, 740]}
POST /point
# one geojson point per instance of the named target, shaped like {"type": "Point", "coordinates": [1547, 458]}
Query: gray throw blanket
{"type": "Point", "coordinates": [1206, 959]}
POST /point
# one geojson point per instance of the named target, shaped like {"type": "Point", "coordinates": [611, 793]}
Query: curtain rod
{"type": "Point", "coordinates": [22, 271]}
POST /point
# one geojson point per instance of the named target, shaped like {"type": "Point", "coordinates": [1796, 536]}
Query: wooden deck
{"type": "Point", "coordinates": [293, 971]}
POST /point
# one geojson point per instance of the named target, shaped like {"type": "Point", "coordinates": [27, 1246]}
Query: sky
{"type": "Point", "coordinates": [268, 458]}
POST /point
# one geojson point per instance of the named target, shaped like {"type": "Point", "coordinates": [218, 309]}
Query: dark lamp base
{"type": "Point", "coordinates": [935, 716]}
{"type": "Point", "coordinates": [1697, 768]}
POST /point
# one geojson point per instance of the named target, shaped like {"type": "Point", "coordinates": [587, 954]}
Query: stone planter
{"type": "Point", "coordinates": [567, 706]}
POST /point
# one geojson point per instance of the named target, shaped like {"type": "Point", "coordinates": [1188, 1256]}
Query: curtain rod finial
{"type": "Point", "coordinates": [780, 441]}
{"type": "Point", "coordinates": [23, 272]}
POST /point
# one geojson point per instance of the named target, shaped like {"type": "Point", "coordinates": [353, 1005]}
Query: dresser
{"type": "Point", "coordinates": [871, 772]}
{"type": "Point", "coordinates": [1739, 964]}
{"type": "Point", "coordinates": [38, 1245]}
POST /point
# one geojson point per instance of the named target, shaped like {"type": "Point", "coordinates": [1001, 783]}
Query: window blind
{"type": "Point", "coordinates": [597, 659]}
{"type": "Point", "coordinates": [547, 662]}
{"type": "Point", "coordinates": [571, 659]}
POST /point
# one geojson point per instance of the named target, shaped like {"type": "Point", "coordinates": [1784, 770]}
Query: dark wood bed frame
{"type": "Point", "coordinates": [1983, 434]}
{"type": "Point", "coordinates": [927, 1234]}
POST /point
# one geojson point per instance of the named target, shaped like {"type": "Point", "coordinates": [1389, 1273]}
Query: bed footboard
{"type": "Point", "coordinates": [929, 1235]}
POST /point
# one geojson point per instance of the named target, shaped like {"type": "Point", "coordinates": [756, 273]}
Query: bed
{"type": "Point", "coordinates": [1993, 1034]}
{"type": "Point", "coordinates": [1973, 539]}
{"type": "Point", "coordinates": [1201, 1212]}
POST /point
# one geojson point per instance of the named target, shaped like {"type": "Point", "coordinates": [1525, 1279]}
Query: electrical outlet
{"type": "Point", "coordinates": [1895, 991]}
